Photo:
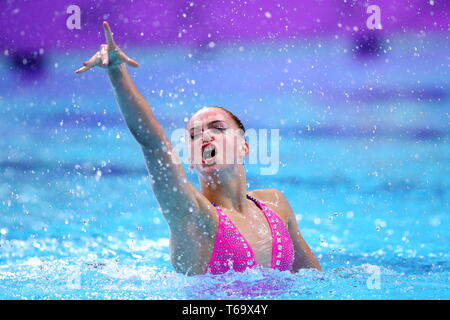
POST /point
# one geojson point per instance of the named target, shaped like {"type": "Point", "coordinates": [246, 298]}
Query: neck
{"type": "Point", "coordinates": [228, 190]}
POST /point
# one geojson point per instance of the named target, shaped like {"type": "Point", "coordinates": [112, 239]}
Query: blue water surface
{"type": "Point", "coordinates": [364, 162]}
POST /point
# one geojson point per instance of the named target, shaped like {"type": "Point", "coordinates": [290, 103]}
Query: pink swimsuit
{"type": "Point", "coordinates": [232, 251]}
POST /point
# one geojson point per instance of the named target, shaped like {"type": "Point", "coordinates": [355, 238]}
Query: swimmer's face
{"type": "Point", "coordinates": [215, 141]}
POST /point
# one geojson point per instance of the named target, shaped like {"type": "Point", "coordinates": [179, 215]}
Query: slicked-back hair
{"type": "Point", "coordinates": [236, 119]}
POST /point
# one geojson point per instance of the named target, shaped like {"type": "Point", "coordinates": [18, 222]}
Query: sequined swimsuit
{"type": "Point", "coordinates": [232, 250]}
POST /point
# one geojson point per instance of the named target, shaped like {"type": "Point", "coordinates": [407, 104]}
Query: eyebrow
{"type": "Point", "coordinates": [209, 124]}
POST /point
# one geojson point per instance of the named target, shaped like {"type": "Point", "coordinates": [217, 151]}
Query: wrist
{"type": "Point", "coordinates": [118, 68]}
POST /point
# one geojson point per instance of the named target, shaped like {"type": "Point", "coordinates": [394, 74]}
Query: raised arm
{"type": "Point", "coordinates": [176, 196]}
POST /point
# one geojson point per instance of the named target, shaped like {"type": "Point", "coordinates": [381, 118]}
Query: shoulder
{"type": "Point", "coordinates": [273, 195]}
{"type": "Point", "coordinates": [275, 200]}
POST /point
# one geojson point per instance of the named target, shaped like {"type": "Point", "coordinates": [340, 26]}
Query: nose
{"type": "Point", "coordinates": [207, 136]}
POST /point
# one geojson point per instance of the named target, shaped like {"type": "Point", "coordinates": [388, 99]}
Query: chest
{"type": "Point", "coordinates": [258, 223]}
{"type": "Point", "coordinates": [261, 231]}
{"type": "Point", "coordinates": [254, 226]}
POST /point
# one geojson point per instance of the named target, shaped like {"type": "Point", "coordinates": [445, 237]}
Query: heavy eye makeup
{"type": "Point", "coordinates": [217, 126]}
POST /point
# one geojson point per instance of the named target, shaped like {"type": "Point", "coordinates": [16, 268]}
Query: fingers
{"type": "Point", "coordinates": [104, 54]}
{"type": "Point", "coordinates": [92, 62]}
{"type": "Point", "coordinates": [128, 60]}
{"type": "Point", "coordinates": [82, 69]}
{"type": "Point", "coordinates": [109, 35]}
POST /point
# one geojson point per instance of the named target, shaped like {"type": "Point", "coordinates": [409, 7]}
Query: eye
{"type": "Point", "coordinates": [195, 136]}
{"type": "Point", "coordinates": [195, 133]}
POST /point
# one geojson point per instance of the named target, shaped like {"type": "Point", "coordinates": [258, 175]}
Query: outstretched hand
{"type": "Point", "coordinates": [109, 55]}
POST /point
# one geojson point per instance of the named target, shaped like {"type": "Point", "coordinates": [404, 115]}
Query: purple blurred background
{"type": "Point", "coordinates": [34, 25]}
{"type": "Point", "coordinates": [320, 51]}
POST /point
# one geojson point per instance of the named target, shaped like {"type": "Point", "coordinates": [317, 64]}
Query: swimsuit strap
{"type": "Point", "coordinates": [281, 240]}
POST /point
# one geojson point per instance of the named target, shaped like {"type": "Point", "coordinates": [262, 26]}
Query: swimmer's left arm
{"type": "Point", "coordinates": [304, 257]}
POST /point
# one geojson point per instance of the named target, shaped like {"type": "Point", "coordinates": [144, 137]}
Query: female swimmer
{"type": "Point", "coordinates": [223, 225]}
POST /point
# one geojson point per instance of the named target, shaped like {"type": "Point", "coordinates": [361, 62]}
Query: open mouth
{"type": "Point", "coordinates": [209, 153]}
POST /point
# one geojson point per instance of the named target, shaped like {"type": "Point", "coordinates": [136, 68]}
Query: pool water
{"type": "Point", "coordinates": [364, 162]}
